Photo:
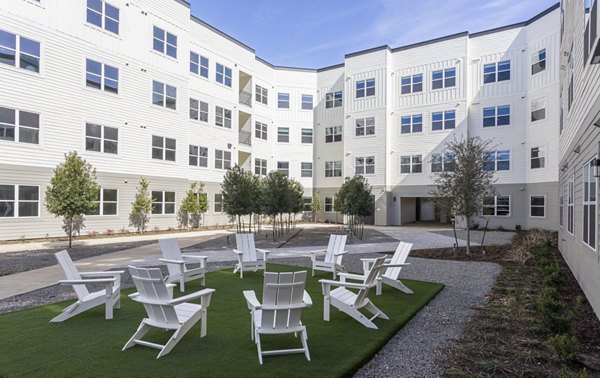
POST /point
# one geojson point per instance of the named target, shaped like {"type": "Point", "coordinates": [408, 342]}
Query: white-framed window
{"type": "Point", "coordinates": [333, 134]}
{"type": "Point", "coordinates": [496, 116]}
{"type": "Point", "coordinates": [365, 88]}
{"type": "Point", "coordinates": [260, 167]}
{"type": "Point", "coordinates": [571, 206]}
{"type": "Point", "coordinates": [411, 124]}
{"type": "Point", "coordinates": [101, 76]}
{"type": "Point", "coordinates": [307, 136]}
{"type": "Point", "coordinates": [198, 156]}
{"type": "Point", "coordinates": [103, 15]}
{"type": "Point", "coordinates": [333, 168]}
{"type": "Point", "coordinates": [164, 95]}
{"type": "Point", "coordinates": [260, 130]}
{"type": "Point", "coordinates": [198, 64]}
{"type": "Point", "coordinates": [497, 161]}
{"type": "Point", "coordinates": [100, 138]}
{"type": "Point", "coordinates": [307, 102]}
{"type": "Point", "coordinates": [411, 84]}
{"type": "Point", "coordinates": [284, 167]}
{"type": "Point", "coordinates": [19, 201]}
{"type": "Point", "coordinates": [307, 204]}
{"type": "Point", "coordinates": [538, 109]}
{"type": "Point", "coordinates": [443, 120]}
{"type": "Point", "coordinates": [365, 126]}
{"type": "Point", "coordinates": [329, 204]}
{"type": "Point", "coordinates": [283, 100]}
{"type": "Point", "coordinates": [364, 165]}
{"type": "Point", "coordinates": [283, 134]}
{"type": "Point", "coordinates": [222, 159]}
{"type": "Point", "coordinates": [538, 61]}
{"type": "Point", "coordinates": [333, 100]}
{"type": "Point", "coordinates": [261, 94]}
{"type": "Point", "coordinates": [443, 162]}
{"type": "Point", "coordinates": [218, 203]}
{"type": "Point", "coordinates": [108, 202]}
{"type": "Point", "coordinates": [411, 164]}
{"type": "Point", "coordinates": [538, 157]}
{"type": "Point", "coordinates": [537, 206]}
{"type": "Point", "coordinates": [497, 206]}
{"type": "Point", "coordinates": [223, 117]}
{"type": "Point", "coordinates": [496, 72]}
{"type": "Point", "coordinates": [223, 75]}
{"type": "Point", "coordinates": [561, 205]}
{"type": "Point", "coordinates": [164, 42]}
{"type": "Point", "coordinates": [589, 205]}
{"type": "Point", "coordinates": [198, 110]}
{"type": "Point", "coordinates": [19, 125]}
{"type": "Point", "coordinates": [306, 169]}
{"type": "Point", "coordinates": [163, 148]}
{"type": "Point", "coordinates": [443, 78]}
{"type": "Point", "coordinates": [20, 52]}
{"type": "Point", "coordinates": [163, 202]}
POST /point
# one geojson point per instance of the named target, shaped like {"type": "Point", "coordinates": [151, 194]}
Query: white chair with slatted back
{"type": "Point", "coordinates": [165, 312]}
{"type": "Point", "coordinates": [176, 264]}
{"type": "Point", "coordinates": [349, 302]}
{"type": "Point", "coordinates": [110, 296]}
{"type": "Point", "coordinates": [248, 258]}
{"type": "Point", "coordinates": [284, 298]}
{"type": "Point", "coordinates": [333, 256]}
{"type": "Point", "coordinates": [392, 267]}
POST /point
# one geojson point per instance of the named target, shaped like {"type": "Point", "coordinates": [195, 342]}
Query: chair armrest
{"type": "Point", "coordinates": [395, 265]}
{"type": "Point", "coordinates": [102, 274]}
{"type": "Point", "coordinates": [91, 280]}
{"type": "Point", "coordinates": [238, 252]}
{"type": "Point", "coordinates": [317, 251]}
{"type": "Point", "coordinates": [189, 297]}
{"type": "Point", "coordinates": [253, 302]}
{"type": "Point", "coordinates": [340, 253]}
{"type": "Point", "coordinates": [343, 284]}
{"type": "Point", "coordinates": [351, 276]}
{"type": "Point", "coordinates": [197, 257]}
{"type": "Point", "coordinates": [172, 261]}
{"type": "Point", "coordinates": [263, 251]}
{"type": "Point", "coordinates": [307, 299]}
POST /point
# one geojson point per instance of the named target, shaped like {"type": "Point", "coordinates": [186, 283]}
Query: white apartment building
{"type": "Point", "coordinates": [144, 88]}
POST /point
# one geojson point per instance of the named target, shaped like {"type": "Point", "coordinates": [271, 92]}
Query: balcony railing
{"type": "Point", "coordinates": [246, 98]}
{"type": "Point", "coordinates": [245, 137]}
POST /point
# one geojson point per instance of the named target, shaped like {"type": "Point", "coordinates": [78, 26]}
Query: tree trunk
{"type": "Point", "coordinates": [70, 232]}
{"type": "Point", "coordinates": [468, 239]}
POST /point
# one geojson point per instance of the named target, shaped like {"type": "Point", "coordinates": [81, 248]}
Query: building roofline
{"type": "Point", "coordinates": [332, 67]}
{"type": "Point", "coordinates": [221, 33]}
{"type": "Point", "coordinates": [185, 3]}
{"type": "Point", "coordinates": [518, 24]}
{"type": "Point", "coordinates": [367, 51]}
{"type": "Point", "coordinates": [431, 41]}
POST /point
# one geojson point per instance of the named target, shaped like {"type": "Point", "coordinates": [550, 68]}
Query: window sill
{"type": "Point", "coordinates": [153, 106]}
{"type": "Point", "coordinates": [103, 31]}
{"type": "Point", "coordinates": [163, 55]}
{"type": "Point", "coordinates": [370, 136]}
{"type": "Point", "coordinates": [15, 69]}
{"type": "Point", "coordinates": [102, 92]}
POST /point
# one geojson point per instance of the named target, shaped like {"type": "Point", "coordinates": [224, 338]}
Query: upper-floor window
{"type": "Point", "coordinates": [163, 148]}
{"type": "Point", "coordinates": [496, 116]}
{"type": "Point", "coordinates": [18, 125]}
{"type": "Point", "coordinates": [537, 206]}
{"type": "Point", "coordinates": [411, 164]}
{"type": "Point", "coordinates": [443, 162]}
{"type": "Point", "coordinates": [198, 156]}
{"type": "Point", "coordinates": [443, 78]}
{"type": "Point", "coordinates": [498, 206]}
{"type": "Point", "coordinates": [307, 136]}
{"type": "Point", "coordinates": [164, 95]}
{"type": "Point", "coordinates": [223, 75]}
{"type": "Point", "coordinates": [262, 94]}
{"type": "Point", "coordinates": [103, 15]}
{"type": "Point", "coordinates": [218, 203]}
{"type": "Point", "coordinates": [497, 161]}
{"type": "Point", "coordinates": [538, 61]}
{"type": "Point", "coordinates": [333, 100]}
{"type": "Point", "coordinates": [412, 84]}
{"type": "Point", "coordinates": [364, 165]}
{"type": "Point", "coordinates": [538, 157]}
{"type": "Point", "coordinates": [538, 109]}
{"type": "Point", "coordinates": [101, 138]}
{"type": "Point", "coordinates": [222, 117]}
{"type": "Point", "coordinates": [365, 88]}
{"type": "Point", "coordinates": [163, 202]}
{"type": "Point", "coordinates": [283, 134]}
{"type": "Point", "coordinates": [589, 205]}
{"type": "Point", "coordinates": [570, 205]}
{"type": "Point", "coordinates": [307, 102]}
{"type": "Point", "coordinates": [198, 110]}
{"type": "Point", "coordinates": [333, 168]}
{"type": "Point", "coordinates": [260, 167]}
{"type": "Point", "coordinates": [198, 64]}
{"type": "Point", "coordinates": [499, 71]}
{"type": "Point", "coordinates": [260, 130]}
{"type": "Point", "coordinates": [365, 126]}
{"type": "Point", "coordinates": [222, 159]}
{"type": "Point", "coordinates": [443, 120]}
{"type": "Point", "coordinates": [283, 100]}
{"type": "Point", "coordinates": [284, 167]}
{"type": "Point", "coordinates": [107, 202]}
{"type": "Point", "coordinates": [18, 201]}
{"type": "Point", "coordinates": [101, 76]}
{"type": "Point", "coordinates": [333, 134]}
{"type": "Point", "coordinates": [165, 42]}
{"type": "Point", "coordinates": [411, 124]}
{"type": "Point", "coordinates": [25, 54]}
{"type": "Point", "coordinates": [306, 169]}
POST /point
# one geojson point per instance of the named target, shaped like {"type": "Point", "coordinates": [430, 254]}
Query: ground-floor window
{"type": "Point", "coordinates": [307, 203]}
{"type": "Point", "coordinates": [329, 201]}
{"type": "Point", "coordinates": [107, 202]}
{"type": "Point", "coordinates": [163, 202]}
{"type": "Point", "coordinates": [561, 204]}
{"type": "Point", "coordinates": [498, 206]}
{"type": "Point", "coordinates": [19, 201]}
{"type": "Point", "coordinates": [537, 206]}
{"type": "Point", "coordinates": [589, 205]}
{"type": "Point", "coordinates": [218, 203]}
{"type": "Point", "coordinates": [570, 203]}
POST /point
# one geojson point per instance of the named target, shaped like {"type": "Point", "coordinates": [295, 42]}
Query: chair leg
{"type": "Point", "coordinates": [259, 348]}
{"type": "Point", "coordinates": [304, 338]}
{"type": "Point", "coordinates": [326, 303]}
{"type": "Point", "coordinates": [378, 288]}
{"type": "Point", "coordinates": [181, 284]}
{"type": "Point", "coordinates": [203, 322]}
{"type": "Point", "coordinates": [375, 311]}
{"type": "Point", "coordinates": [141, 331]}
{"type": "Point", "coordinates": [109, 309]}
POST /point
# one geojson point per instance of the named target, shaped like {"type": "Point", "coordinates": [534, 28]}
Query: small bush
{"type": "Point", "coordinates": [124, 231]}
{"type": "Point", "coordinates": [109, 232]}
{"type": "Point", "coordinates": [170, 229]}
{"type": "Point", "coordinates": [564, 347]}
{"type": "Point", "coordinates": [92, 234]}
{"type": "Point", "coordinates": [565, 372]}
{"type": "Point", "coordinates": [156, 229]}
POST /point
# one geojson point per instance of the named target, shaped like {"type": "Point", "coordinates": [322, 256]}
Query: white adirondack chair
{"type": "Point", "coordinates": [349, 302]}
{"type": "Point", "coordinates": [247, 255]}
{"type": "Point", "coordinates": [333, 256]}
{"type": "Point", "coordinates": [283, 300]}
{"type": "Point", "coordinates": [176, 264]}
{"type": "Point", "coordinates": [165, 312]}
{"type": "Point", "coordinates": [110, 296]}
{"type": "Point", "coordinates": [391, 272]}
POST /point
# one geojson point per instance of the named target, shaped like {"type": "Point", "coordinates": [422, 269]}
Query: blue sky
{"type": "Point", "coordinates": [313, 34]}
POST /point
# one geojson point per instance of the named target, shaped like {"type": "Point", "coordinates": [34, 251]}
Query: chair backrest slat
{"type": "Point", "coordinates": [370, 280]}
{"type": "Point", "coordinates": [337, 243]}
{"type": "Point", "coordinates": [71, 272]}
{"type": "Point", "coordinates": [286, 290]}
{"type": "Point", "coordinates": [152, 288]}
{"type": "Point", "coordinates": [399, 257]}
{"type": "Point", "coordinates": [245, 243]}
{"type": "Point", "coordinates": [171, 251]}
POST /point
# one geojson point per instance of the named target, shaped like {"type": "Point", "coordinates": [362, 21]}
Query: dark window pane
{"type": "Point", "coordinates": [7, 116]}
{"type": "Point", "coordinates": [157, 196]}
{"type": "Point", "coordinates": [110, 147]}
{"type": "Point", "coordinates": [169, 208]}
{"type": "Point", "coordinates": [93, 81]}
{"type": "Point", "coordinates": [157, 208]}
{"type": "Point", "coordinates": [94, 18]}
{"type": "Point", "coordinates": [110, 195]}
{"type": "Point", "coordinates": [30, 47]}
{"type": "Point", "coordinates": [111, 11]}
{"type": "Point", "coordinates": [28, 209]}
{"type": "Point", "coordinates": [8, 40]}
{"type": "Point", "coordinates": [111, 86]}
{"type": "Point", "coordinates": [92, 144]}
{"type": "Point", "coordinates": [171, 143]}
{"type": "Point", "coordinates": [28, 193]}
{"type": "Point", "coordinates": [92, 130]}
{"type": "Point", "coordinates": [157, 153]}
{"type": "Point", "coordinates": [157, 99]}
{"type": "Point", "coordinates": [111, 133]}
{"type": "Point", "coordinates": [29, 63]}
{"type": "Point", "coordinates": [172, 51]}
{"type": "Point", "coordinates": [93, 67]}
{"type": "Point", "coordinates": [27, 135]}
{"type": "Point", "coordinates": [111, 72]}
{"type": "Point", "coordinates": [109, 209]}
{"type": "Point", "coordinates": [170, 155]}
{"type": "Point", "coordinates": [7, 132]}
{"type": "Point", "coordinates": [7, 56]}
{"type": "Point", "coordinates": [29, 119]}
{"type": "Point", "coordinates": [169, 196]}
{"type": "Point", "coordinates": [158, 45]}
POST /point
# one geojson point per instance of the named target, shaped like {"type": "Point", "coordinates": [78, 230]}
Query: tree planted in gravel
{"type": "Point", "coordinates": [464, 183]}
{"type": "Point", "coordinates": [193, 206]}
{"type": "Point", "coordinates": [295, 200]}
{"type": "Point", "coordinates": [141, 206]}
{"type": "Point", "coordinates": [238, 194]}
{"type": "Point", "coordinates": [275, 198]}
{"type": "Point", "coordinates": [354, 199]}
{"type": "Point", "coordinates": [315, 206]}
{"type": "Point", "coordinates": [73, 191]}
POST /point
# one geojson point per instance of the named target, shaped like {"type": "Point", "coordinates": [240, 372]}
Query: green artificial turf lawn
{"type": "Point", "coordinates": [89, 345]}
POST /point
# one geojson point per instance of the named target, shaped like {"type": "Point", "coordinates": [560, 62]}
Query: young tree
{"type": "Point", "coordinates": [315, 206]}
{"type": "Point", "coordinates": [354, 199]}
{"type": "Point", "coordinates": [275, 197]}
{"type": "Point", "coordinates": [237, 190]}
{"type": "Point", "coordinates": [72, 192]}
{"type": "Point", "coordinates": [193, 205]}
{"type": "Point", "coordinates": [141, 206]}
{"type": "Point", "coordinates": [463, 185]}
{"type": "Point", "coordinates": [295, 198]}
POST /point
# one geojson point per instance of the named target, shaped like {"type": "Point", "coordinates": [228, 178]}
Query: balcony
{"type": "Point", "coordinates": [246, 98]}
{"type": "Point", "coordinates": [245, 137]}
{"type": "Point", "coordinates": [245, 94]}
{"type": "Point", "coordinates": [244, 128]}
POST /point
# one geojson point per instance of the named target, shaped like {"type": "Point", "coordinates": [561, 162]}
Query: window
{"type": "Point", "coordinates": [538, 61]}
{"type": "Point", "coordinates": [365, 126]}
{"type": "Point", "coordinates": [284, 167]}
{"type": "Point", "coordinates": [283, 134]}
{"type": "Point", "coordinates": [494, 72]}
{"type": "Point", "coordinates": [103, 15]}
{"type": "Point", "coordinates": [364, 165]}
{"type": "Point", "coordinates": [365, 88]}
{"type": "Point", "coordinates": [307, 102]}
{"type": "Point", "coordinates": [222, 159]}
{"type": "Point", "coordinates": [411, 84]}
{"type": "Point", "coordinates": [27, 50]}
{"type": "Point", "coordinates": [164, 95]}
{"type": "Point", "coordinates": [411, 124]}
{"type": "Point", "coordinates": [498, 206]}
{"type": "Point", "coordinates": [411, 164]}
{"type": "Point", "coordinates": [198, 110]}
{"type": "Point", "coordinates": [497, 161]}
{"type": "Point", "coordinates": [223, 75]}
{"type": "Point", "coordinates": [443, 78]}
{"type": "Point", "coordinates": [262, 95]}
{"type": "Point", "coordinates": [283, 100]}
{"type": "Point", "coordinates": [537, 206]}
{"type": "Point", "coordinates": [163, 148]}
{"type": "Point", "coordinates": [101, 76]}
{"type": "Point", "coordinates": [260, 130]}
{"type": "Point", "coordinates": [306, 169]}
{"type": "Point", "coordinates": [496, 116]}
{"type": "Point", "coordinates": [538, 157]}
{"type": "Point", "coordinates": [198, 65]}
{"type": "Point", "coordinates": [19, 125]}
{"type": "Point", "coordinates": [570, 84]}
{"type": "Point", "coordinates": [307, 136]}
{"type": "Point", "coordinates": [561, 204]}
{"type": "Point", "coordinates": [333, 134]}
{"type": "Point", "coordinates": [223, 117]}
{"type": "Point", "coordinates": [443, 162]}
{"type": "Point", "coordinates": [218, 203]}
{"type": "Point", "coordinates": [165, 42]}
{"type": "Point", "coordinates": [329, 204]}
{"type": "Point", "coordinates": [107, 202]}
{"type": "Point", "coordinates": [101, 138]}
{"type": "Point", "coordinates": [570, 205]}
{"type": "Point", "coordinates": [333, 168]}
{"type": "Point", "coordinates": [443, 120]}
{"type": "Point", "coordinates": [307, 204]}
{"type": "Point", "coordinates": [589, 205]}
{"type": "Point", "coordinates": [333, 100]}
{"type": "Point", "coordinates": [163, 202]}
{"type": "Point", "coordinates": [19, 201]}
{"type": "Point", "coordinates": [260, 167]}
{"type": "Point", "coordinates": [538, 109]}
{"type": "Point", "coordinates": [198, 156]}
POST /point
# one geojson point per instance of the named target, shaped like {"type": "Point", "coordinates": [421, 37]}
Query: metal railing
{"type": "Point", "coordinates": [245, 137]}
{"type": "Point", "coordinates": [246, 98]}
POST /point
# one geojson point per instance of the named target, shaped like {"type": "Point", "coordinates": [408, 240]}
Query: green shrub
{"type": "Point", "coordinates": [552, 311]}
{"type": "Point", "coordinates": [565, 372]}
{"type": "Point", "coordinates": [564, 347]}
